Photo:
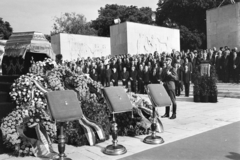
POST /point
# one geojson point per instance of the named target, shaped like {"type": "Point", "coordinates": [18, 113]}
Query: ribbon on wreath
{"type": "Point", "coordinates": [88, 126]}
{"type": "Point", "coordinates": [159, 124]}
{"type": "Point", "coordinates": [42, 146]}
{"type": "Point", "coordinates": [149, 112]}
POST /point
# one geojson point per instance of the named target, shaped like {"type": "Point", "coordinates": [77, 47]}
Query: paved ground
{"type": "Point", "coordinates": [192, 118]}
{"type": "Point", "coordinates": [218, 144]}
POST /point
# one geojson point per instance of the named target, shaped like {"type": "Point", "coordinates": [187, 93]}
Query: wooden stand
{"type": "Point", "coordinates": [61, 144]}
{"type": "Point", "coordinates": [153, 139]}
{"type": "Point", "coordinates": [114, 149]}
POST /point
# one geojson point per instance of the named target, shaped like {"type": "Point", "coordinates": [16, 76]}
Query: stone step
{"type": "Point", "coordinates": [4, 97]}
{"type": "Point", "coordinates": [224, 89]}
{"type": "Point", "coordinates": [5, 86]}
{"type": "Point", "coordinates": [6, 78]}
{"type": "Point", "coordinates": [220, 94]}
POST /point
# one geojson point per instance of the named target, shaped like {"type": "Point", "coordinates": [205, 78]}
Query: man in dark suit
{"type": "Point", "coordinates": [114, 77]}
{"type": "Point", "coordinates": [101, 73]}
{"type": "Point", "coordinates": [94, 74]}
{"type": "Point", "coordinates": [108, 74]}
{"type": "Point", "coordinates": [146, 76]}
{"type": "Point", "coordinates": [133, 78]}
{"type": "Point", "coordinates": [178, 82]}
{"type": "Point", "coordinates": [169, 77]}
{"type": "Point", "coordinates": [186, 80]}
{"type": "Point", "coordinates": [225, 66]}
{"type": "Point", "coordinates": [235, 67]}
{"type": "Point", "coordinates": [125, 77]}
{"type": "Point", "coordinates": [140, 80]}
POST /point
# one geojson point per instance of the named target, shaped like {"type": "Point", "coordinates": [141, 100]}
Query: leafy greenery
{"type": "Point", "coordinates": [110, 12]}
{"type": "Point", "coordinates": [213, 82]}
{"type": "Point", "coordinates": [72, 23]}
{"type": "Point", "coordinates": [5, 29]}
{"type": "Point", "coordinates": [189, 16]}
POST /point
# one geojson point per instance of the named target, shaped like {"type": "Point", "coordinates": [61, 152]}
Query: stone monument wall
{"type": "Point", "coordinates": [135, 38]}
{"type": "Point", "coordinates": [223, 26]}
{"type": "Point", "coordinates": [73, 46]}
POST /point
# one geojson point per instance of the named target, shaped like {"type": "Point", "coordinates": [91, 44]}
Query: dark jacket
{"type": "Point", "coordinates": [114, 77]}
{"type": "Point", "coordinates": [169, 80]}
{"type": "Point", "coordinates": [155, 78]}
{"type": "Point", "coordinates": [133, 75]}
{"type": "Point", "coordinates": [108, 72]}
{"type": "Point", "coordinates": [146, 77]}
{"type": "Point", "coordinates": [186, 76]}
{"type": "Point", "coordinates": [94, 76]}
{"type": "Point", "coordinates": [125, 75]}
{"type": "Point", "coordinates": [140, 75]}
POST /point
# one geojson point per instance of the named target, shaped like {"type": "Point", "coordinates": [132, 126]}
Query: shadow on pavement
{"type": "Point", "coordinates": [233, 156]}
{"type": "Point", "coordinates": [185, 99]}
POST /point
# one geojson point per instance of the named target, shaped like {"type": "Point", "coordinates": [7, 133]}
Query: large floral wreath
{"type": "Point", "coordinates": [31, 108]}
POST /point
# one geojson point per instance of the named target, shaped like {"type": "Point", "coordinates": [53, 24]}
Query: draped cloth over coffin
{"type": "Point", "coordinates": [22, 42]}
{"type": "Point", "coordinates": [21, 48]}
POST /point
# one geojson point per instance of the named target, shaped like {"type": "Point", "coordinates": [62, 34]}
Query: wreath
{"type": "Point", "coordinates": [31, 108]}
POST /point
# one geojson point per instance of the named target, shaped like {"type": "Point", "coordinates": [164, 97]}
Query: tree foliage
{"type": "Point", "coordinates": [110, 12]}
{"type": "Point", "coordinates": [5, 29]}
{"type": "Point", "coordinates": [72, 23]}
{"type": "Point", "coordinates": [190, 17]}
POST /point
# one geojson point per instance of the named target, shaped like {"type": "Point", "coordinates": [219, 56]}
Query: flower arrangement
{"type": "Point", "coordinates": [28, 96]}
{"type": "Point", "coordinates": [18, 123]}
{"type": "Point", "coordinates": [23, 90]}
{"type": "Point", "coordinates": [41, 67]}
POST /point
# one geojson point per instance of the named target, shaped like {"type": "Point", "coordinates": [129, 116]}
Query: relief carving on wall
{"type": "Point", "coordinates": [150, 43]}
{"type": "Point", "coordinates": [81, 49]}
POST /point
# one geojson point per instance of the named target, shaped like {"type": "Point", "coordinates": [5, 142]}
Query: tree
{"type": "Point", "coordinates": [48, 37]}
{"type": "Point", "coordinates": [124, 13]}
{"type": "Point", "coordinates": [72, 23]}
{"type": "Point", "coordinates": [190, 17]}
{"type": "Point", "coordinates": [5, 29]}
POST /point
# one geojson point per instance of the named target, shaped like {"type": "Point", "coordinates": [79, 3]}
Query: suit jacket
{"type": "Point", "coordinates": [236, 62]}
{"type": "Point", "coordinates": [125, 75]}
{"type": "Point", "coordinates": [108, 73]}
{"type": "Point", "coordinates": [114, 77]}
{"type": "Point", "coordinates": [133, 75]}
{"type": "Point", "coordinates": [186, 76]}
{"type": "Point", "coordinates": [225, 63]}
{"type": "Point", "coordinates": [169, 80]}
{"type": "Point", "coordinates": [146, 77]}
{"type": "Point", "coordinates": [155, 78]}
{"type": "Point", "coordinates": [179, 74]}
{"type": "Point", "coordinates": [140, 75]}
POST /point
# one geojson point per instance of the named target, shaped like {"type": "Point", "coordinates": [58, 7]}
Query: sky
{"type": "Point", "coordinates": [38, 15]}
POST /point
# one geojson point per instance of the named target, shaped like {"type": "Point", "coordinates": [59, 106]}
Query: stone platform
{"type": "Point", "coordinates": [192, 118]}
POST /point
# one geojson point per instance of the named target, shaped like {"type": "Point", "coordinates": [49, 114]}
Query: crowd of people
{"type": "Point", "coordinates": [136, 71]}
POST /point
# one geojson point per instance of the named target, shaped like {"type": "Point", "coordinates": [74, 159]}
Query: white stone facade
{"type": "Point", "coordinates": [135, 38]}
{"type": "Point", "coordinates": [223, 26]}
{"type": "Point", "coordinates": [73, 46]}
